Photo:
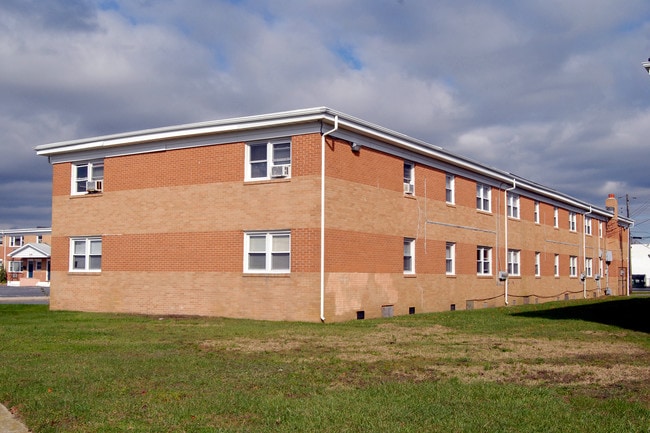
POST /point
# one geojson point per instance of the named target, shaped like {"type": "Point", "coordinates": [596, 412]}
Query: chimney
{"type": "Point", "coordinates": [611, 204]}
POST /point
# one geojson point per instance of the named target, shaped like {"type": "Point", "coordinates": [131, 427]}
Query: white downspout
{"type": "Point", "coordinates": [584, 253]}
{"type": "Point", "coordinates": [505, 247]}
{"type": "Point", "coordinates": [322, 217]}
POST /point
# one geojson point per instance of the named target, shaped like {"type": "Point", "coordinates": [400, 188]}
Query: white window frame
{"type": "Point", "coordinates": [514, 257]}
{"type": "Point", "coordinates": [600, 229]}
{"type": "Point", "coordinates": [15, 266]}
{"type": "Point", "coordinates": [269, 252]}
{"type": "Point", "coordinates": [39, 239]}
{"type": "Point", "coordinates": [16, 241]}
{"type": "Point", "coordinates": [483, 261]}
{"type": "Point", "coordinates": [409, 178]}
{"type": "Point", "coordinates": [450, 258]}
{"type": "Point", "coordinates": [538, 264]}
{"type": "Point", "coordinates": [513, 205]}
{"type": "Point", "coordinates": [556, 217]}
{"type": "Point", "coordinates": [450, 187]}
{"type": "Point", "coordinates": [572, 221]}
{"type": "Point", "coordinates": [536, 213]}
{"type": "Point", "coordinates": [556, 265]}
{"type": "Point", "coordinates": [89, 252]}
{"type": "Point", "coordinates": [93, 173]}
{"type": "Point", "coordinates": [589, 266]}
{"type": "Point", "coordinates": [409, 256]}
{"type": "Point", "coordinates": [270, 161]}
{"type": "Point", "coordinates": [573, 266]}
{"type": "Point", "coordinates": [588, 225]}
{"type": "Point", "coordinates": [483, 197]}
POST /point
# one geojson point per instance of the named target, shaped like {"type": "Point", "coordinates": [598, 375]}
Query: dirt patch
{"type": "Point", "coordinates": [437, 352]}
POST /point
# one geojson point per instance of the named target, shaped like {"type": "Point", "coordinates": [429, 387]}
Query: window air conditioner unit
{"type": "Point", "coordinates": [597, 277]}
{"type": "Point", "coordinates": [503, 275]}
{"type": "Point", "coordinates": [280, 170]}
{"type": "Point", "coordinates": [94, 185]}
{"type": "Point", "coordinates": [408, 188]}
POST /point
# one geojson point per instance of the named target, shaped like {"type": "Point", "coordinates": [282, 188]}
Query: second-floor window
{"type": "Point", "coordinates": [449, 188]}
{"type": "Point", "coordinates": [513, 205]}
{"type": "Point", "coordinates": [555, 217]}
{"type": "Point", "coordinates": [572, 221]}
{"type": "Point", "coordinates": [268, 160]}
{"type": "Point", "coordinates": [483, 193]}
{"type": "Point", "coordinates": [409, 179]}
{"type": "Point", "coordinates": [536, 215]}
{"type": "Point", "coordinates": [588, 225]}
{"type": "Point", "coordinates": [16, 241]}
{"type": "Point", "coordinates": [87, 177]}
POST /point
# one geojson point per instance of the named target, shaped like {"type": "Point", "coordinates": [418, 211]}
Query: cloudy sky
{"type": "Point", "coordinates": [551, 90]}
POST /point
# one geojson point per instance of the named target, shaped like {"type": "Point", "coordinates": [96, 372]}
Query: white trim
{"type": "Point", "coordinates": [88, 241]}
{"type": "Point", "coordinates": [268, 237]}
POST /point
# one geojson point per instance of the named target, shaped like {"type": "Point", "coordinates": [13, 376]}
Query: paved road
{"type": "Point", "coordinates": [24, 295]}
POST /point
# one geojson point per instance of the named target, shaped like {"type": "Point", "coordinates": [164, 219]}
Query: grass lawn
{"type": "Point", "coordinates": [580, 366]}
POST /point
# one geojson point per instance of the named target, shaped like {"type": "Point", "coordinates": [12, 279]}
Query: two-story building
{"type": "Point", "coordinates": [26, 256]}
{"type": "Point", "coordinates": [313, 215]}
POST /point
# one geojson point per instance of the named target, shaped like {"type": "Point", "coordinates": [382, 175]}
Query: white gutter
{"type": "Point", "coordinates": [584, 253]}
{"type": "Point", "coordinates": [505, 217]}
{"type": "Point", "coordinates": [322, 217]}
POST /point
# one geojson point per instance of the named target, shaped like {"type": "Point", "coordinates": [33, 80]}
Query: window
{"type": "Point", "coordinates": [449, 188]}
{"type": "Point", "coordinates": [16, 241]}
{"type": "Point", "coordinates": [588, 225]}
{"type": "Point", "coordinates": [600, 229]}
{"type": "Point", "coordinates": [15, 266]}
{"type": "Point", "coordinates": [450, 255]}
{"type": "Point", "coordinates": [538, 264]}
{"type": "Point", "coordinates": [85, 254]}
{"type": "Point", "coordinates": [572, 221]}
{"type": "Point", "coordinates": [556, 265]}
{"type": "Point", "coordinates": [513, 262]}
{"type": "Point", "coordinates": [268, 160]}
{"type": "Point", "coordinates": [267, 252]}
{"type": "Point", "coordinates": [39, 265]}
{"type": "Point", "coordinates": [589, 264]}
{"type": "Point", "coordinates": [513, 205]}
{"type": "Point", "coordinates": [484, 261]}
{"type": "Point", "coordinates": [409, 256]}
{"type": "Point", "coordinates": [409, 181]}
{"type": "Point", "coordinates": [555, 217]}
{"type": "Point", "coordinates": [39, 239]}
{"type": "Point", "coordinates": [483, 197]}
{"type": "Point", "coordinates": [87, 177]}
{"type": "Point", "coordinates": [573, 266]}
{"type": "Point", "coordinates": [536, 213]}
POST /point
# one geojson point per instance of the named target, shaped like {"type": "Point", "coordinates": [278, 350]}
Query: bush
{"type": "Point", "coordinates": [3, 274]}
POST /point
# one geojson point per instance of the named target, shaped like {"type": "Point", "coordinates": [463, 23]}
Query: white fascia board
{"type": "Point", "coordinates": [181, 131]}
{"type": "Point", "coordinates": [28, 231]}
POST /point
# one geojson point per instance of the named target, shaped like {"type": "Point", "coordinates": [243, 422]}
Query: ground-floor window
{"type": "Point", "coordinates": [85, 254]}
{"type": "Point", "coordinates": [484, 261]}
{"type": "Point", "coordinates": [513, 262]}
{"type": "Point", "coordinates": [409, 256]}
{"type": "Point", "coordinates": [573, 266]}
{"type": "Point", "coordinates": [15, 266]}
{"type": "Point", "coordinates": [267, 252]}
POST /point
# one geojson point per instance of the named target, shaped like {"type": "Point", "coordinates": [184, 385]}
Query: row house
{"type": "Point", "coordinates": [26, 256]}
{"type": "Point", "coordinates": [313, 215]}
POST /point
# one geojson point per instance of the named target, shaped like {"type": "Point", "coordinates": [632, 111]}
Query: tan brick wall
{"type": "Point", "coordinates": [173, 224]}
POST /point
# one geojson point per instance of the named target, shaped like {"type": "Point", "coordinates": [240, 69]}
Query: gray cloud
{"type": "Point", "coordinates": [549, 90]}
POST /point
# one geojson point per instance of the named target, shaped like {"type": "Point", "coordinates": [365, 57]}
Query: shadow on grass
{"type": "Point", "coordinates": [628, 313]}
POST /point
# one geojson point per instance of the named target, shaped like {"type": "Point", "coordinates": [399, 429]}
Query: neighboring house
{"type": "Point", "coordinates": [313, 215]}
{"type": "Point", "coordinates": [26, 256]}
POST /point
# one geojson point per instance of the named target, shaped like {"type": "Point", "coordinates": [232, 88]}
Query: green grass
{"type": "Point", "coordinates": [463, 371]}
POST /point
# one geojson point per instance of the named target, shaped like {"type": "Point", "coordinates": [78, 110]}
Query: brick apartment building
{"type": "Point", "coordinates": [26, 256]}
{"type": "Point", "coordinates": [313, 215]}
